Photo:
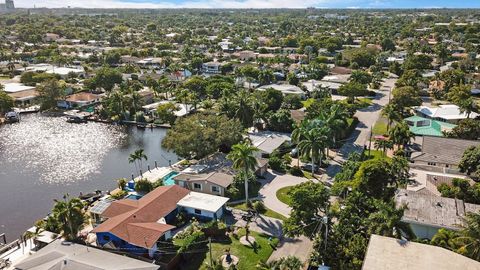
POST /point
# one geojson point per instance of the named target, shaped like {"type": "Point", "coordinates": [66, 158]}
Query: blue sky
{"type": "Point", "coordinates": [252, 3]}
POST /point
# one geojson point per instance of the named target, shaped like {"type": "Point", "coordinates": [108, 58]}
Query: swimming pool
{"type": "Point", "coordinates": [168, 179]}
{"type": "Point", "coordinates": [135, 197]}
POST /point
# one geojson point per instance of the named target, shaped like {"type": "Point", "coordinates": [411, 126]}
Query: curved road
{"type": "Point", "coordinates": [271, 184]}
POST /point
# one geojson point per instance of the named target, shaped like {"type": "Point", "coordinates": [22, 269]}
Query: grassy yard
{"type": "Point", "coordinates": [380, 127]}
{"type": "Point", "coordinates": [282, 195]}
{"type": "Point", "coordinates": [375, 154]}
{"type": "Point", "coordinates": [364, 102]}
{"type": "Point", "coordinates": [248, 257]}
{"type": "Point", "coordinates": [268, 212]}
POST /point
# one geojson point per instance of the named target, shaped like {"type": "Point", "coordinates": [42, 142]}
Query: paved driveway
{"type": "Point", "coordinates": [274, 182]}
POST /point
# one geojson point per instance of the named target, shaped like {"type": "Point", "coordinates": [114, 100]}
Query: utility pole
{"type": "Point", "coordinates": [210, 250]}
{"type": "Point", "coordinates": [370, 141]}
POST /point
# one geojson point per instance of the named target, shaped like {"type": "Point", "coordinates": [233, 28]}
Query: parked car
{"type": "Point", "coordinates": [308, 167]}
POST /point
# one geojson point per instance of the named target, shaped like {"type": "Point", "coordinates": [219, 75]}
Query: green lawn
{"type": "Point", "coordinates": [380, 127]}
{"type": "Point", "coordinates": [363, 102]}
{"type": "Point", "coordinates": [268, 213]}
{"type": "Point", "coordinates": [375, 154]}
{"type": "Point", "coordinates": [308, 175]}
{"type": "Point", "coordinates": [248, 257]}
{"type": "Point", "coordinates": [282, 195]}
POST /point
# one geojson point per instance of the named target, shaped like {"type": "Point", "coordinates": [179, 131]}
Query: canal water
{"type": "Point", "coordinates": [42, 158]}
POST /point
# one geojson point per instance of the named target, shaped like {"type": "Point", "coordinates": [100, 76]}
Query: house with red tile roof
{"type": "Point", "coordinates": [137, 225]}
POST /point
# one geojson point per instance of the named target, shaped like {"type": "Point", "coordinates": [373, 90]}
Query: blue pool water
{"type": "Point", "coordinates": [133, 197]}
{"type": "Point", "coordinates": [168, 179]}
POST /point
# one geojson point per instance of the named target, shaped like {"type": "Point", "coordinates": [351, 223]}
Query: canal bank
{"type": "Point", "coordinates": [44, 157]}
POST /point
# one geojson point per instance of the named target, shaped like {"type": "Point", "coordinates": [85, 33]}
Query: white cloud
{"type": "Point", "coordinates": [160, 4]}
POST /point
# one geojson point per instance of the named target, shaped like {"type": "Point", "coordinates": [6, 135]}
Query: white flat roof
{"type": "Point", "coordinates": [385, 253]}
{"type": "Point", "coordinates": [202, 201]}
{"type": "Point", "coordinates": [154, 174]}
{"type": "Point", "coordinates": [64, 70]}
{"type": "Point", "coordinates": [284, 88]}
{"type": "Point", "coordinates": [16, 87]}
{"type": "Point", "coordinates": [448, 112]}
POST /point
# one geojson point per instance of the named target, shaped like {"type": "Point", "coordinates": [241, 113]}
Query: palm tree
{"type": "Point", "coordinates": [243, 157]}
{"type": "Point", "coordinates": [244, 111]}
{"type": "Point", "coordinates": [70, 215]}
{"type": "Point", "coordinates": [444, 238]}
{"type": "Point", "coordinates": [284, 263]}
{"type": "Point", "coordinates": [391, 113]}
{"type": "Point", "coordinates": [183, 96]}
{"type": "Point", "coordinates": [384, 145]}
{"type": "Point", "coordinates": [136, 158]}
{"type": "Point", "coordinates": [401, 134]}
{"type": "Point", "coordinates": [312, 144]}
{"type": "Point", "coordinates": [297, 135]}
{"type": "Point", "coordinates": [469, 239]}
{"type": "Point", "coordinates": [336, 120]}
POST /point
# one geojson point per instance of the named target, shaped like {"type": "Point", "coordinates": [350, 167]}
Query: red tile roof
{"type": "Point", "coordinates": [136, 221]}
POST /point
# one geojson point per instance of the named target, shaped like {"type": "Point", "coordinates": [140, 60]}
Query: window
{"type": "Point", "coordinates": [198, 212]}
{"type": "Point", "coordinates": [432, 163]}
{"type": "Point", "coordinates": [197, 186]}
{"type": "Point", "coordinates": [215, 189]}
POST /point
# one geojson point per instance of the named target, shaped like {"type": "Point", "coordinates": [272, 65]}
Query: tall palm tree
{"type": "Point", "coordinates": [312, 143]}
{"type": "Point", "coordinates": [137, 157]}
{"type": "Point", "coordinates": [70, 215]}
{"type": "Point", "coordinates": [297, 135]}
{"type": "Point", "coordinates": [469, 239]}
{"type": "Point", "coordinates": [390, 111]}
{"type": "Point", "coordinates": [243, 157]}
{"type": "Point", "coordinates": [183, 96]}
{"type": "Point", "coordinates": [384, 145]}
{"type": "Point", "coordinates": [336, 120]}
{"type": "Point", "coordinates": [244, 111]}
{"type": "Point", "coordinates": [400, 134]}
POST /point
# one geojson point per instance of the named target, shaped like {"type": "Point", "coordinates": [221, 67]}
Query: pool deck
{"type": "Point", "coordinates": [155, 174]}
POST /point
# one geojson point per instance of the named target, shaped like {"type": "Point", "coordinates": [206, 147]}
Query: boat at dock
{"type": "Point", "coordinates": [12, 117]}
{"type": "Point", "coordinates": [76, 119]}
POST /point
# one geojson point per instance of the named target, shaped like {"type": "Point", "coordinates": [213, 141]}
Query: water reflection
{"type": "Point", "coordinates": [60, 152]}
{"type": "Point", "coordinates": [42, 158]}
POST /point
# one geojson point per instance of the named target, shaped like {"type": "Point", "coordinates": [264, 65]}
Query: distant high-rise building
{"type": "Point", "coordinates": [9, 4]}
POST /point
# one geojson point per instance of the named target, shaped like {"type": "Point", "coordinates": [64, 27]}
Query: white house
{"type": "Point", "coordinates": [267, 141]}
{"type": "Point", "coordinates": [212, 67]}
{"type": "Point", "coordinates": [22, 94]}
{"type": "Point", "coordinates": [449, 113]}
{"type": "Point", "coordinates": [286, 89]}
{"type": "Point", "coordinates": [203, 206]}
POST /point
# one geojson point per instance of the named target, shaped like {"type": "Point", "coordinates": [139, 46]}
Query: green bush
{"type": "Point", "coordinates": [143, 186]}
{"type": "Point", "coordinates": [122, 183]}
{"type": "Point", "coordinates": [158, 183]}
{"type": "Point", "coordinates": [119, 195]}
{"type": "Point", "coordinates": [259, 207]}
{"type": "Point", "coordinates": [276, 163]}
{"type": "Point", "coordinates": [296, 171]}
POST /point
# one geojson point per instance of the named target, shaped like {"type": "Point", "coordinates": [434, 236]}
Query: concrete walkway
{"type": "Point", "coordinates": [299, 246]}
{"type": "Point", "coordinates": [271, 184]}
{"type": "Point", "coordinates": [367, 118]}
